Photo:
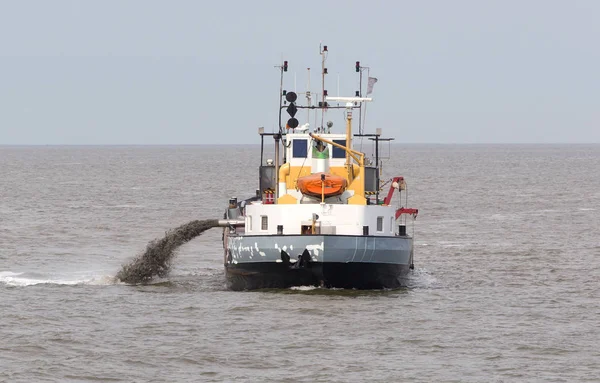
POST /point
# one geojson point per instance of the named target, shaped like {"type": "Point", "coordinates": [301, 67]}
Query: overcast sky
{"type": "Point", "coordinates": [202, 72]}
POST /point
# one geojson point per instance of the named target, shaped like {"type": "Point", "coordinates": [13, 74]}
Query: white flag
{"type": "Point", "coordinates": [371, 83]}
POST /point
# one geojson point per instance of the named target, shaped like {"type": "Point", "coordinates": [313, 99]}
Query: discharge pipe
{"type": "Point", "coordinates": [231, 222]}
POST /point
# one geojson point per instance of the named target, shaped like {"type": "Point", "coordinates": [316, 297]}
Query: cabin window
{"type": "Point", "coordinates": [264, 222]}
{"type": "Point", "coordinates": [391, 224]}
{"type": "Point", "coordinates": [249, 223]}
{"type": "Point", "coordinates": [338, 152]}
{"type": "Point", "coordinates": [299, 148]}
{"type": "Point", "coordinates": [379, 223]}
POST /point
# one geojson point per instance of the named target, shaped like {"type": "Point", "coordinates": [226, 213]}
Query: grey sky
{"type": "Point", "coordinates": [195, 72]}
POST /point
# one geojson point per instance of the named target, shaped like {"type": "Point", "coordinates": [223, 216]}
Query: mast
{"type": "Point", "coordinates": [282, 68]}
{"type": "Point", "coordinates": [348, 135]}
{"type": "Point", "coordinates": [360, 69]}
{"type": "Point", "coordinates": [308, 98]}
{"type": "Point", "coordinates": [324, 51]}
{"type": "Point", "coordinates": [360, 95]}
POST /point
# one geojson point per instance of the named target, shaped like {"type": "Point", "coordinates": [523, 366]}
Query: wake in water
{"type": "Point", "coordinates": [21, 279]}
{"type": "Point", "coordinates": [156, 260]}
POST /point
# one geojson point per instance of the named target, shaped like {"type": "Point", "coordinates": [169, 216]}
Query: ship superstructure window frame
{"type": "Point", "coordinates": [300, 148]}
{"type": "Point", "coordinates": [264, 222]}
{"type": "Point", "coordinates": [338, 152]}
{"type": "Point", "coordinates": [380, 224]}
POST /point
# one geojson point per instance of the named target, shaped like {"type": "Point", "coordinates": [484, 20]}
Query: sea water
{"type": "Point", "coordinates": [505, 287]}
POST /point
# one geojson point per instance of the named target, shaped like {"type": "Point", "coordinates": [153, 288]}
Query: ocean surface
{"type": "Point", "coordinates": [506, 286]}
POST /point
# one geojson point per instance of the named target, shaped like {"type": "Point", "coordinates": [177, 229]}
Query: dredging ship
{"type": "Point", "coordinates": [319, 216]}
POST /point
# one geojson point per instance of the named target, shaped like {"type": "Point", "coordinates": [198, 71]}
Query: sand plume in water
{"type": "Point", "coordinates": [156, 260]}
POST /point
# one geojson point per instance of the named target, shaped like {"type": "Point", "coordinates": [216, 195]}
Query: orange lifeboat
{"type": "Point", "coordinates": [314, 184]}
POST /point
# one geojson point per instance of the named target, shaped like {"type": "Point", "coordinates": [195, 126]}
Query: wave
{"type": "Point", "coordinates": [303, 288]}
{"type": "Point", "coordinates": [11, 278]}
{"type": "Point", "coordinates": [421, 278]}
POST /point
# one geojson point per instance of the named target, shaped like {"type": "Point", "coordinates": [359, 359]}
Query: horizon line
{"type": "Point", "coordinates": [258, 144]}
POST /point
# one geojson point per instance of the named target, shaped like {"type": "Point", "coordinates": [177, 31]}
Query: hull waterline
{"type": "Point", "coordinates": [361, 276]}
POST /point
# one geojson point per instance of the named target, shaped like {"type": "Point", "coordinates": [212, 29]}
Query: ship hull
{"type": "Point", "coordinates": [362, 276]}
{"type": "Point", "coordinates": [333, 261]}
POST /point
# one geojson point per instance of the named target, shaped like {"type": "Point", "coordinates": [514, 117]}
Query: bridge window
{"type": "Point", "coordinates": [379, 223]}
{"type": "Point", "coordinates": [338, 152]}
{"type": "Point", "coordinates": [299, 148]}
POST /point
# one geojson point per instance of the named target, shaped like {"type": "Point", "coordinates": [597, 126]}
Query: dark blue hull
{"type": "Point", "coordinates": [357, 275]}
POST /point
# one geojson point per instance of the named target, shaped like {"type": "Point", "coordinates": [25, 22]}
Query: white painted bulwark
{"type": "Point", "coordinates": [347, 219]}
